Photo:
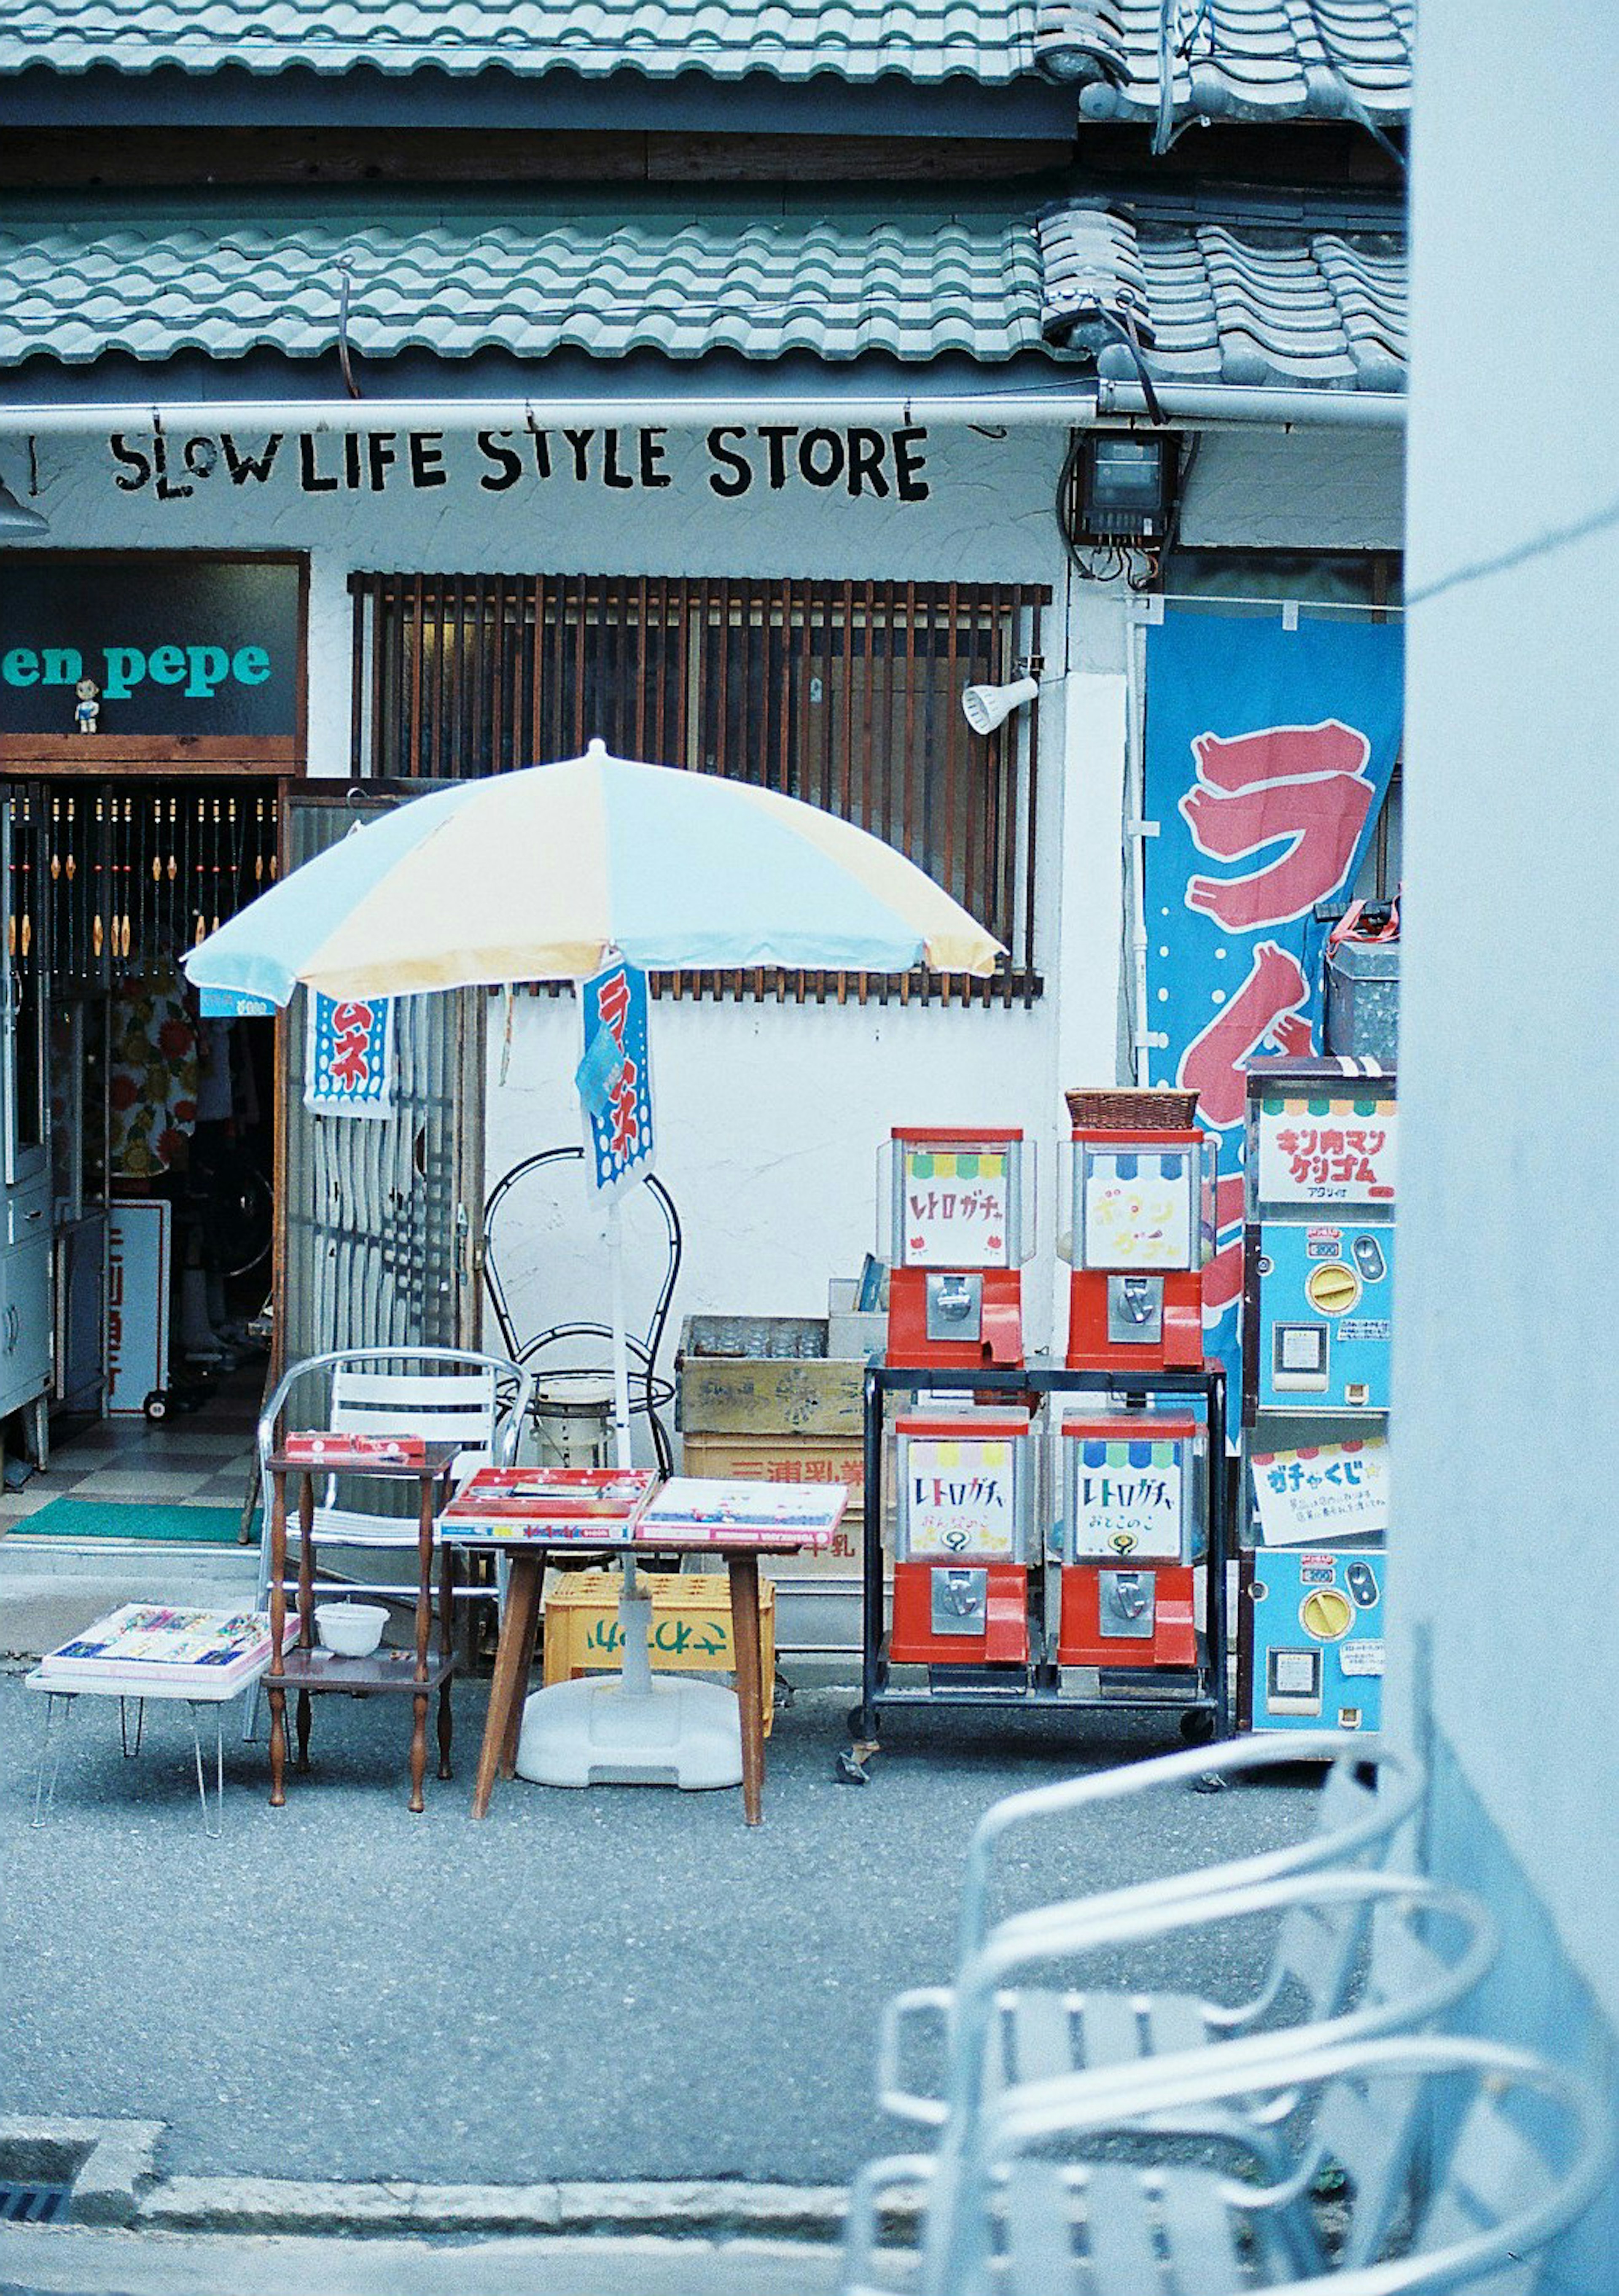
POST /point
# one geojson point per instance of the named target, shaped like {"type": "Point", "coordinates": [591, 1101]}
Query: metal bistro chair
{"type": "Point", "coordinates": [446, 1394]}
{"type": "Point", "coordinates": [1369, 1794]}
{"type": "Point", "coordinates": [551, 1354]}
{"type": "Point", "coordinates": [1463, 2160]}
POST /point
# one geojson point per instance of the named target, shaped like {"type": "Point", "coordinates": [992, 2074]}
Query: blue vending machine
{"type": "Point", "coordinates": [1318, 1321]}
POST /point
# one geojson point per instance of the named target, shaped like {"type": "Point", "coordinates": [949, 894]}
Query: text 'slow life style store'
{"type": "Point", "coordinates": [739, 403]}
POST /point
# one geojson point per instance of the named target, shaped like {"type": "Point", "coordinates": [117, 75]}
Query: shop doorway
{"type": "Point", "coordinates": [148, 1294]}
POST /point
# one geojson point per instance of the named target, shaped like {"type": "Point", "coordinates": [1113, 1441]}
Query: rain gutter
{"type": "Point", "coordinates": [1200, 407]}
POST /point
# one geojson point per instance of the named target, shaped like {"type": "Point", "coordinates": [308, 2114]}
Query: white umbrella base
{"type": "Point", "coordinates": [599, 1734]}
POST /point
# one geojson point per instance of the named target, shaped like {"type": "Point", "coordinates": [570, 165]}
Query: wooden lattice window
{"type": "Point", "coordinates": [845, 694]}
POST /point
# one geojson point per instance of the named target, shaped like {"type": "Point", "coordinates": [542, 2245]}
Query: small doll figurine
{"type": "Point", "coordinates": [87, 709]}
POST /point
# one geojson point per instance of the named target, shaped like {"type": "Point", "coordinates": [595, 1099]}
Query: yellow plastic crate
{"type": "Point", "coordinates": [691, 1625]}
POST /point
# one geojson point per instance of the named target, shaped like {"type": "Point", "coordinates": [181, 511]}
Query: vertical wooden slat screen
{"type": "Point", "coordinates": [844, 694]}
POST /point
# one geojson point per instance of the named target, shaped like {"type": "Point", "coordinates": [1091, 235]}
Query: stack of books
{"type": "Point", "coordinates": [145, 1646]}
{"type": "Point", "coordinates": [597, 1506]}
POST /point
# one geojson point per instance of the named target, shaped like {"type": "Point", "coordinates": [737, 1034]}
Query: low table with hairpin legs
{"type": "Point", "coordinates": [308, 1670]}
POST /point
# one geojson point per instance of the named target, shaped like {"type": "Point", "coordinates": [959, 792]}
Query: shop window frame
{"type": "Point", "coordinates": [845, 693]}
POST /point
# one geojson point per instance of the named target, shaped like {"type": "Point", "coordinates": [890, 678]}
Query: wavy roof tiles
{"type": "Point", "coordinates": [1264, 60]}
{"type": "Point", "coordinates": [1213, 303]}
{"type": "Point", "coordinates": [1257, 303]}
{"type": "Point", "coordinates": [916, 40]}
{"type": "Point", "coordinates": [834, 289]}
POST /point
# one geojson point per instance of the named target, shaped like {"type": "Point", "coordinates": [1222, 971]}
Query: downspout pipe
{"type": "Point", "coordinates": [1103, 401]}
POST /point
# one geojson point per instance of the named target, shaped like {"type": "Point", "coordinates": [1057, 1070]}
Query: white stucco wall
{"type": "Point", "coordinates": [1505, 1381]}
{"type": "Point", "coordinates": [773, 1115]}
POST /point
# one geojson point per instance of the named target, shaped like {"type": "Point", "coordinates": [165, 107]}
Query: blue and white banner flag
{"type": "Point", "coordinates": [349, 1065]}
{"type": "Point", "coordinates": [1269, 753]}
{"type": "Point", "coordinates": [613, 1077]}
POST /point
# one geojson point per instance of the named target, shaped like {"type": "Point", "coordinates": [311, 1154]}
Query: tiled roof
{"type": "Point", "coordinates": [1212, 302]}
{"type": "Point", "coordinates": [1266, 303]}
{"type": "Point", "coordinates": [914, 287]}
{"type": "Point", "coordinates": [1233, 59]}
{"type": "Point", "coordinates": [915, 40]}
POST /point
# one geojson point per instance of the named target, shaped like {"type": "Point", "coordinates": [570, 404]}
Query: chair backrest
{"type": "Point", "coordinates": [449, 1395]}
{"type": "Point", "coordinates": [535, 1177]}
{"type": "Point", "coordinates": [457, 1406]}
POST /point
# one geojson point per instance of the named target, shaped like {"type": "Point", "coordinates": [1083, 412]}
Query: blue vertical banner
{"type": "Point", "coordinates": [1269, 753]}
{"type": "Point", "coordinates": [614, 1080]}
{"type": "Point", "coordinates": [349, 1070]}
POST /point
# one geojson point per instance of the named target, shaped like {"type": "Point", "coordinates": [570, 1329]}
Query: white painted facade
{"type": "Point", "coordinates": [1502, 1624]}
{"type": "Point", "coordinates": [773, 1115]}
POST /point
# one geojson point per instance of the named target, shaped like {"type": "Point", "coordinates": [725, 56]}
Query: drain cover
{"type": "Point", "coordinates": [33, 2203]}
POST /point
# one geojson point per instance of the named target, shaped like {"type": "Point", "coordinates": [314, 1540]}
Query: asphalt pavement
{"type": "Point", "coordinates": [619, 1983]}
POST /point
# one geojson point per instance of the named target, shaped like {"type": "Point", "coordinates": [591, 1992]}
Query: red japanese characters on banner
{"type": "Point", "coordinates": [349, 1056]}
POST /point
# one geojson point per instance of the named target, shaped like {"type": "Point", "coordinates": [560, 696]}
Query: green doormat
{"type": "Point", "coordinates": [71, 1518]}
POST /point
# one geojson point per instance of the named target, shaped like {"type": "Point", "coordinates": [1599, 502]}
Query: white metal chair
{"type": "Point", "coordinates": [1369, 1794]}
{"type": "Point", "coordinates": [455, 1395]}
{"type": "Point", "coordinates": [1462, 2160]}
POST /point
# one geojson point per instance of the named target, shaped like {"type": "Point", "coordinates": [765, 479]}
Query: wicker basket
{"type": "Point", "coordinates": [1123, 1111]}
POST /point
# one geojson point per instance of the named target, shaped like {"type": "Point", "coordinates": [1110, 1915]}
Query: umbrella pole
{"type": "Point", "coordinates": [635, 1611]}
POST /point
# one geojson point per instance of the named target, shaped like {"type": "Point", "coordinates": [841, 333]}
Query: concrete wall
{"type": "Point", "coordinates": [771, 1115]}
{"type": "Point", "coordinates": [1503, 1547]}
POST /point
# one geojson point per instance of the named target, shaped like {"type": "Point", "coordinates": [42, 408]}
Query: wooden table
{"type": "Point", "coordinates": [306, 1669]}
{"type": "Point", "coordinates": [519, 1625]}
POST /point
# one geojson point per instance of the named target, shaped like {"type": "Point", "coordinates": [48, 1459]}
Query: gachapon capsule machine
{"type": "Point", "coordinates": [1133, 1524]}
{"type": "Point", "coordinates": [1142, 1229]}
{"type": "Point", "coordinates": [964, 1508]}
{"type": "Point", "coordinates": [1317, 1327]}
{"type": "Point", "coordinates": [1319, 1244]}
{"type": "Point", "coordinates": [960, 1208]}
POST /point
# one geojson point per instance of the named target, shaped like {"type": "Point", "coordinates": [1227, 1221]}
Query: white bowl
{"type": "Point", "coordinates": [352, 1629]}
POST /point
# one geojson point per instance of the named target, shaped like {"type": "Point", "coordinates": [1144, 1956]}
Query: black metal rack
{"type": "Point", "coordinates": [1204, 1712]}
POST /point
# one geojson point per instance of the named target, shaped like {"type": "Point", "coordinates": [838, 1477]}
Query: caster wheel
{"type": "Point", "coordinates": [1198, 1728]}
{"type": "Point", "coordinates": [156, 1406]}
{"type": "Point", "coordinates": [853, 1773]}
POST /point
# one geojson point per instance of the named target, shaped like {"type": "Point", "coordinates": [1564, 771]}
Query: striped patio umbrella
{"type": "Point", "coordinates": [546, 874]}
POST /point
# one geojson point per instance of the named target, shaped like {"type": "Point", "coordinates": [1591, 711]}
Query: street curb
{"type": "Point", "coordinates": [691, 2208]}
{"type": "Point", "coordinates": [110, 2162]}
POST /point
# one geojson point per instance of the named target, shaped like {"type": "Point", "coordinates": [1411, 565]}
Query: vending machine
{"type": "Point", "coordinates": [1134, 1511]}
{"type": "Point", "coordinates": [964, 1490]}
{"type": "Point", "coordinates": [1142, 1227]}
{"type": "Point", "coordinates": [961, 1213]}
{"type": "Point", "coordinates": [1319, 1276]}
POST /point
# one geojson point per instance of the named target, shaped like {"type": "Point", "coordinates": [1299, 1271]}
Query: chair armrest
{"type": "Point", "coordinates": [1042, 1805]}
{"type": "Point", "coordinates": [860, 2225]}
{"type": "Point", "coordinates": [922, 2001]}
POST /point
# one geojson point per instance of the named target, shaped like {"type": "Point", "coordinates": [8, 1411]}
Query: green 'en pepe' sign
{"type": "Point", "coordinates": [128, 653]}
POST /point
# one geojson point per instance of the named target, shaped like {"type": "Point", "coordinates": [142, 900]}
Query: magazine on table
{"type": "Point", "coordinates": [693, 1507]}
{"type": "Point", "coordinates": [152, 1644]}
{"type": "Point", "coordinates": [596, 1505]}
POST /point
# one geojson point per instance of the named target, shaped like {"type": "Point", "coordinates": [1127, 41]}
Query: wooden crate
{"type": "Point", "coordinates": [764, 1394]}
{"type": "Point", "coordinates": [691, 1625]}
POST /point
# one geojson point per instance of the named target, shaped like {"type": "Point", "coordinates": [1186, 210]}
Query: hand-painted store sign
{"type": "Point", "coordinates": [852, 462]}
{"type": "Point", "coordinates": [99, 652]}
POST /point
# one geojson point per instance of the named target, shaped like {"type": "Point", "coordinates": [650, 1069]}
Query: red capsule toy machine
{"type": "Point", "coordinates": [1142, 1229]}
{"type": "Point", "coordinates": [958, 1205]}
{"type": "Point", "coordinates": [1133, 1513]}
{"type": "Point", "coordinates": [964, 1499]}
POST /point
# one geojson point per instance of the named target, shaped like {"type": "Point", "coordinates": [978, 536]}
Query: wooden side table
{"type": "Point", "coordinates": [514, 1653]}
{"type": "Point", "coordinates": [308, 1670]}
